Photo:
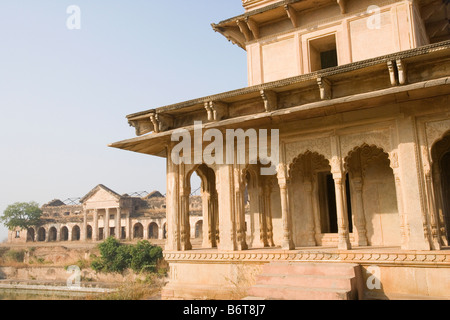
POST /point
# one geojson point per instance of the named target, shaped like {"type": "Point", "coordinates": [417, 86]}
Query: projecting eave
{"type": "Point", "coordinates": [407, 75]}
{"type": "Point", "coordinates": [245, 28]}
{"type": "Point", "coordinates": [151, 144]}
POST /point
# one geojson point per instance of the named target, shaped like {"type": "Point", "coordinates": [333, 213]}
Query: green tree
{"type": "Point", "coordinates": [21, 215]}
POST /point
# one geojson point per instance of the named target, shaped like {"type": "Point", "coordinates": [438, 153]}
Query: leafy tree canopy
{"type": "Point", "coordinates": [21, 215]}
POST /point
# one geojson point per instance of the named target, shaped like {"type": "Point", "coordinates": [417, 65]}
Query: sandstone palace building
{"type": "Point", "coordinates": [359, 91]}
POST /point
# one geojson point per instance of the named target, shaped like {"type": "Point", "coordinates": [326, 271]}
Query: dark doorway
{"type": "Point", "coordinates": [329, 197]}
{"type": "Point", "coordinates": [445, 180]}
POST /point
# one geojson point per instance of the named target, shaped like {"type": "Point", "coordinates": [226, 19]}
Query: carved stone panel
{"type": "Point", "coordinates": [436, 130]}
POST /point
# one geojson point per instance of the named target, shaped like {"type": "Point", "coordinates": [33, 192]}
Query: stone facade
{"type": "Point", "coordinates": [359, 93]}
{"type": "Point", "coordinates": [140, 218]}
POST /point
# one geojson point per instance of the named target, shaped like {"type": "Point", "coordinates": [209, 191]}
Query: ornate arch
{"type": "Point", "coordinates": [436, 131]}
{"type": "Point", "coordinates": [439, 147]}
{"type": "Point", "coordinates": [318, 161]}
{"type": "Point", "coordinates": [375, 138]}
{"type": "Point", "coordinates": [190, 169]}
{"type": "Point", "coordinates": [367, 154]}
{"type": "Point", "coordinates": [321, 146]}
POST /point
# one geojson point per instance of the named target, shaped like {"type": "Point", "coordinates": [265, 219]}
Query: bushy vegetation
{"type": "Point", "coordinates": [116, 257]}
{"type": "Point", "coordinates": [15, 255]}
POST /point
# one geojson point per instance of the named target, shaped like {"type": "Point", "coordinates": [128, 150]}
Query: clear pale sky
{"type": "Point", "coordinates": [64, 94]}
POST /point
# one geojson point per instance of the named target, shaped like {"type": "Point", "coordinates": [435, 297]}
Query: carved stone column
{"type": "Point", "coordinates": [239, 189]}
{"type": "Point", "coordinates": [172, 207]}
{"type": "Point", "coordinates": [435, 232]}
{"type": "Point", "coordinates": [360, 219]}
{"type": "Point", "coordinates": [337, 169]}
{"type": "Point", "coordinates": [341, 204]}
{"type": "Point", "coordinates": [215, 231]}
{"type": "Point", "coordinates": [207, 225]}
{"type": "Point", "coordinates": [262, 216]}
{"type": "Point", "coordinates": [288, 243]}
{"type": "Point", "coordinates": [185, 229]}
{"type": "Point", "coordinates": [437, 186]}
{"type": "Point", "coordinates": [268, 212]}
{"type": "Point", "coordinates": [227, 226]}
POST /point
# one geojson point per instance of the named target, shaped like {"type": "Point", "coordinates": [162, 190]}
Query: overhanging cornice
{"type": "Point", "coordinates": [392, 70]}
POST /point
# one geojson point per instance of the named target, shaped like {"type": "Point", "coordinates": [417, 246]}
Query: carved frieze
{"type": "Point", "coordinates": [413, 258]}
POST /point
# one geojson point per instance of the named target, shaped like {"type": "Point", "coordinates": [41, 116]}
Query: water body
{"type": "Point", "coordinates": [25, 294]}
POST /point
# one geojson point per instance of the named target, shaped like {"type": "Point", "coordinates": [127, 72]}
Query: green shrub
{"type": "Point", "coordinates": [15, 255]}
{"type": "Point", "coordinates": [116, 257]}
{"type": "Point", "coordinates": [144, 257]}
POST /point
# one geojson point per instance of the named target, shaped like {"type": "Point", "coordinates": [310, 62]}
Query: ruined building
{"type": "Point", "coordinates": [127, 217]}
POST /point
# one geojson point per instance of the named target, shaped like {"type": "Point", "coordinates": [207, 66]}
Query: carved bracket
{"type": "Point", "coordinates": [292, 14]}
{"type": "Point", "coordinates": [244, 29]}
{"type": "Point", "coordinates": [161, 122]}
{"type": "Point", "coordinates": [325, 87]}
{"type": "Point", "coordinates": [342, 5]}
{"type": "Point", "coordinates": [270, 99]}
{"type": "Point", "coordinates": [216, 110]}
{"type": "Point", "coordinates": [253, 26]}
{"type": "Point", "coordinates": [392, 72]}
{"type": "Point", "coordinates": [401, 69]}
{"type": "Point", "coordinates": [397, 72]}
{"type": "Point", "coordinates": [141, 127]}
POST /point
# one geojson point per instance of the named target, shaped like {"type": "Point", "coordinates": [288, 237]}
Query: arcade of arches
{"type": "Point", "coordinates": [315, 199]}
{"type": "Point", "coordinates": [310, 202]}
